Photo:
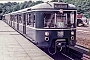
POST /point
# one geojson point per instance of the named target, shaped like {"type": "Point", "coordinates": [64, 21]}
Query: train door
{"type": "Point", "coordinates": [14, 21]}
{"type": "Point", "coordinates": [11, 20]}
{"type": "Point", "coordinates": [17, 22]}
{"type": "Point", "coordinates": [11, 17]}
{"type": "Point", "coordinates": [24, 23]}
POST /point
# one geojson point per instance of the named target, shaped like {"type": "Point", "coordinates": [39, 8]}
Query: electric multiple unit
{"type": "Point", "coordinates": [50, 25]}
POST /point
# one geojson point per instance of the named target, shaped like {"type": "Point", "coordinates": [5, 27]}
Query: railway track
{"type": "Point", "coordinates": [80, 53]}
{"type": "Point", "coordinates": [69, 55]}
{"type": "Point", "coordinates": [83, 39]}
{"type": "Point", "coordinates": [76, 53]}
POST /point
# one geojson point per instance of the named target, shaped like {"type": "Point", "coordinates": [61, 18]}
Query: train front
{"type": "Point", "coordinates": [59, 29]}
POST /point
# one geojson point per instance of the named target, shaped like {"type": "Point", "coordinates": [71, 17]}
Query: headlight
{"type": "Point", "coordinates": [46, 38]}
{"type": "Point", "coordinates": [72, 33]}
{"type": "Point", "coordinates": [46, 33]}
{"type": "Point", "coordinates": [72, 37]}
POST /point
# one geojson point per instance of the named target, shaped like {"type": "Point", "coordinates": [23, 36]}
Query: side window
{"type": "Point", "coordinates": [15, 18]}
{"type": "Point", "coordinates": [24, 18]}
{"type": "Point", "coordinates": [34, 21]}
{"type": "Point", "coordinates": [20, 19]}
{"type": "Point", "coordinates": [26, 15]}
{"type": "Point", "coordinates": [29, 19]}
{"type": "Point", "coordinates": [11, 17]}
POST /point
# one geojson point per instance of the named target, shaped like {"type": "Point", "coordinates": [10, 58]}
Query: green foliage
{"type": "Point", "coordinates": [83, 6]}
{"type": "Point", "coordinates": [13, 6]}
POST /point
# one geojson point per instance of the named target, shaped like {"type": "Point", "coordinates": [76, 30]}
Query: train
{"type": "Point", "coordinates": [82, 21]}
{"type": "Point", "coordinates": [49, 25]}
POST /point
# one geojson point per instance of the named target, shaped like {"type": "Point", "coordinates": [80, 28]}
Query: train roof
{"type": "Point", "coordinates": [52, 5]}
{"type": "Point", "coordinates": [47, 5]}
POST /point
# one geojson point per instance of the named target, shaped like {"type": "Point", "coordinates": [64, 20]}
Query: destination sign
{"type": "Point", "coordinates": [60, 5]}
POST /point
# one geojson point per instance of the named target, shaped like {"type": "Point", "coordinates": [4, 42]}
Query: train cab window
{"type": "Point", "coordinates": [60, 20]}
{"type": "Point", "coordinates": [72, 17]}
{"type": "Point", "coordinates": [54, 20]}
{"type": "Point", "coordinates": [49, 20]}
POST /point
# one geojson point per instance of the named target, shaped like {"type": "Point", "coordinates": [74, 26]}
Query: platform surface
{"type": "Point", "coordinates": [14, 46]}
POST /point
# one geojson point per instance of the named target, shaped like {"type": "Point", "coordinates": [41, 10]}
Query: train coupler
{"type": "Point", "coordinates": [60, 43]}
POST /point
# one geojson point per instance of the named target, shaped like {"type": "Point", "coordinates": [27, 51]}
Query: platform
{"type": "Point", "coordinates": [14, 46]}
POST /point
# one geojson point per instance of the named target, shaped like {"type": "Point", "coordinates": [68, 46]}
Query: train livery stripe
{"type": "Point", "coordinates": [53, 10]}
{"type": "Point", "coordinates": [50, 29]}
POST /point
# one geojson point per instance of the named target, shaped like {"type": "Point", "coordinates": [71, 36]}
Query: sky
{"type": "Point", "coordinates": [4, 1]}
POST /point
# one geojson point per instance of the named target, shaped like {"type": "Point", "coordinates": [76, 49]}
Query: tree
{"type": "Point", "coordinates": [83, 6]}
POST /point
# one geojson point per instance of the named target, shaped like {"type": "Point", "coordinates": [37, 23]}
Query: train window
{"type": "Point", "coordinates": [15, 18]}
{"type": "Point", "coordinates": [29, 19]}
{"type": "Point", "coordinates": [72, 17]}
{"type": "Point", "coordinates": [69, 18]}
{"type": "Point", "coordinates": [20, 19]}
{"type": "Point", "coordinates": [34, 20]}
{"type": "Point", "coordinates": [49, 20]}
{"type": "Point", "coordinates": [60, 20]}
{"type": "Point", "coordinates": [11, 17]}
{"type": "Point", "coordinates": [54, 20]}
